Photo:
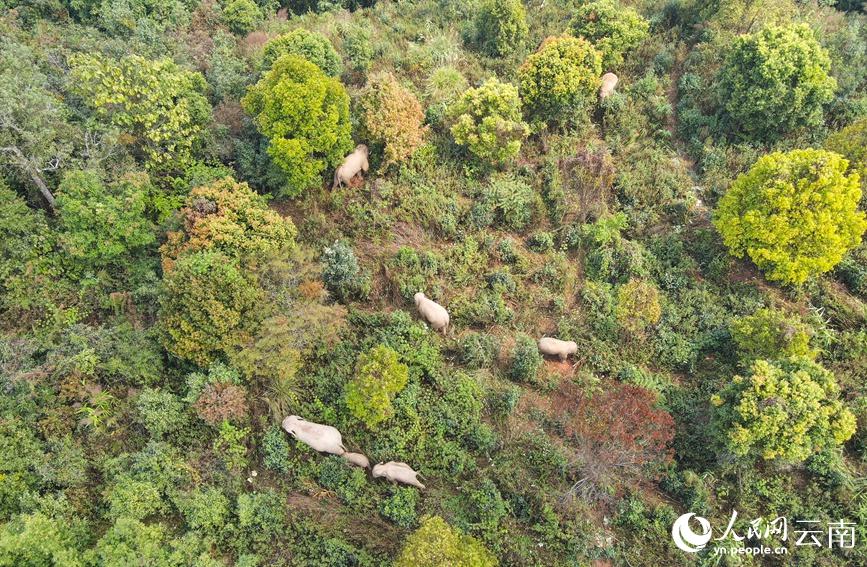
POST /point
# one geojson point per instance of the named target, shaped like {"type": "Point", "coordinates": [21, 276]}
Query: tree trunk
{"type": "Point", "coordinates": [34, 175]}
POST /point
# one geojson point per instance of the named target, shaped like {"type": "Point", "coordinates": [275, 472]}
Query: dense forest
{"type": "Point", "coordinates": [275, 278]}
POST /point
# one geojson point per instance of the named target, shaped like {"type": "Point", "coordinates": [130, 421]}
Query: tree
{"type": "Point", "coordinates": [159, 105]}
{"type": "Point", "coordinates": [207, 309]}
{"type": "Point", "coordinates": [437, 544]}
{"type": "Point", "coordinates": [35, 137]}
{"type": "Point", "coordinates": [229, 217]}
{"type": "Point", "coordinates": [771, 334]}
{"type": "Point", "coordinates": [379, 376]}
{"type": "Point", "coordinates": [487, 121]}
{"type": "Point", "coordinates": [501, 27]}
{"type": "Point", "coordinates": [309, 45]}
{"type": "Point", "coordinates": [794, 214]}
{"type": "Point", "coordinates": [525, 360]}
{"type": "Point", "coordinates": [638, 306]}
{"type": "Point", "coordinates": [784, 410]}
{"type": "Point", "coordinates": [100, 225]}
{"type": "Point", "coordinates": [561, 79]}
{"type": "Point", "coordinates": [775, 81]}
{"type": "Point", "coordinates": [242, 16]}
{"type": "Point", "coordinates": [613, 29]}
{"type": "Point", "coordinates": [851, 143]}
{"type": "Point", "coordinates": [37, 539]}
{"type": "Point", "coordinates": [392, 117]}
{"type": "Point", "coordinates": [305, 116]}
{"type": "Point", "coordinates": [341, 273]}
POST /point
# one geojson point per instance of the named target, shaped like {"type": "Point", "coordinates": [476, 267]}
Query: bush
{"type": "Point", "coordinates": [276, 450]}
{"type": "Point", "coordinates": [613, 29]}
{"type": "Point", "coordinates": [509, 201]}
{"type": "Point", "coordinates": [350, 483]}
{"type": "Point", "coordinates": [133, 498]}
{"type": "Point", "coordinates": [851, 143]}
{"type": "Point", "coordinates": [242, 16]}
{"type": "Point", "coordinates": [487, 121]}
{"type": "Point", "coordinates": [305, 116]}
{"type": "Point", "coordinates": [312, 46]}
{"type": "Point", "coordinates": [204, 509]}
{"type": "Point", "coordinates": [787, 410]}
{"type": "Point", "coordinates": [478, 350]}
{"type": "Point", "coordinates": [436, 544]}
{"type": "Point", "coordinates": [795, 214]}
{"type": "Point", "coordinates": [560, 80]}
{"type": "Point", "coordinates": [501, 27]}
{"type": "Point", "coordinates": [638, 306]}
{"type": "Point", "coordinates": [392, 117]}
{"type": "Point", "coordinates": [400, 507]}
{"type": "Point", "coordinates": [775, 81]}
{"type": "Point", "coordinates": [160, 411]}
{"type": "Point", "coordinates": [221, 402]}
{"type": "Point", "coordinates": [378, 378]}
{"type": "Point", "coordinates": [771, 334]}
{"type": "Point", "coordinates": [230, 446]}
{"type": "Point", "coordinates": [341, 274]}
{"type": "Point", "coordinates": [541, 242]}
{"type": "Point", "coordinates": [525, 360]}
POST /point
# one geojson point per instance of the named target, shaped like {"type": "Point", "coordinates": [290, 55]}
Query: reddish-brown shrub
{"type": "Point", "coordinates": [222, 402]}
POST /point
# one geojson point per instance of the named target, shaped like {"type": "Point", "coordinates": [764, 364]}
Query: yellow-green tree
{"type": "Point", "coordinates": [638, 306]}
{"type": "Point", "coordinates": [851, 143]}
{"type": "Point", "coordinates": [794, 214]}
{"type": "Point", "coordinates": [560, 79]}
{"type": "Point", "coordinates": [379, 377]}
{"type": "Point", "coordinates": [785, 410]}
{"type": "Point", "coordinates": [771, 333]}
{"type": "Point", "coordinates": [612, 28]}
{"type": "Point", "coordinates": [392, 117]}
{"type": "Point", "coordinates": [305, 115]}
{"type": "Point", "coordinates": [437, 544]}
{"type": "Point", "coordinates": [312, 46]}
{"type": "Point", "coordinates": [501, 27]}
{"type": "Point", "coordinates": [157, 104]}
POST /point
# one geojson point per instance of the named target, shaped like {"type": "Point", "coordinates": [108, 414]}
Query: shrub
{"type": "Point", "coordinates": [309, 45]}
{"type": "Point", "coordinates": [341, 274]}
{"type": "Point", "coordinates": [784, 410]}
{"type": "Point", "coordinates": [776, 81]}
{"type": "Point", "coordinates": [350, 483]}
{"type": "Point", "coordinates": [541, 242]}
{"type": "Point", "coordinates": [771, 334]}
{"type": "Point", "coordinates": [400, 507]}
{"type": "Point", "coordinates": [510, 200]}
{"type": "Point", "coordinates": [207, 310]}
{"type": "Point", "coordinates": [501, 27]}
{"type": "Point", "coordinates": [222, 402]}
{"type": "Point", "coordinates": [478, 350]}
{"type": "Point", "coordinates": [261, 519]}
{"type": "Point", "coordinates": [525, 359]}
{"type": "Point", "coordinates": [378, 378]}
{"type": "Point", "coordinates": [795, 214]}
{"type": "Point", "coordinates": [560, 80]}
{"type": "Point", "coordinates": [305, 116]}
{"type": "Point", "coordinates": [613, 29]}
{"type": "Point", "coordinates": [392, 117]}
{"type": "Point", "coordinates": [204, 509]}
{"type": "Point", "coordinates": [276, 450]}
{"type": "Point", "coordinates": [487, 121]}
{"type": "Point", "coordinates": [230, 446]}
{"type": "Point", "coordinates": [851, 143]}
{"type": "Point", "coordinates": [638, 306]}
{"type": "Point", "coordinates": [242, 16]}
{"type": "Point", "coordinates": [133, 498]}
{"type": "Point", "coordinates": [160, 411]}
{"type": "Point", "coordinates": [436, 544]}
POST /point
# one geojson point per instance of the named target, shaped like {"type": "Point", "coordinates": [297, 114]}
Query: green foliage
{"type": "Point", "coordinates": [350, 483]}
{"type": "Point", "coordinates": [101, 226]}
{"type": "Point", "coordinates": [242, 16]}
{"type": "Point", "coordinates": [784, 410]}
{"type": "Point", "coordinates": [207, 308]}
{"type": "Point", "coordinates": [276, 450]}
{"type": "Point", "coordinates": [261, 519]}
{"type": "Point", "coordinates": [133, 498]}
{"type": "Point", "coordinates": [507, 200]}
{"type": "Point", "coordinates": [379, 377]}
{"type": "Point", "coordinates": [775, 81]}
{"type": "Point", "coordinates": [612, 28]}
{"type": "Point", "coordinates": [436, 544]}
{"type": "Point", "coordinates": [487, 121]}
{"type": "Point", "coordinates": [638, 306]}
{"type": "Point", "coordinates": [851, 143]}
{"type": "Point", "coordinates": [478, 350]}
{"type": "Point", "coordinates": [560, 80]}
{"type": "Point", "coordinates": [157, 103]}
{"type": "Point", "coordinates": [771, 334]}
{"type": "Point", "coordinates": [312, 46]}
{"type": "Point", "coordinates": [37, 539]}
{"type": "Point", "coordinates": [525, 359]}
{"type": "Point", "coordinates": [392, 118]}
{"type": "Point", "coordinates": [204, 509]}
{"type": "Point", "coordinates": [160, 411]}
{"type": "Point", "coordinates": [794, 214]}
{"type": "Point", "coordinates": [501, 27]}
{"type": "Point", "coordinates": [400, 507]}
{"type": "Point", "coordinates": [342, 275]}
{"type": "Point", "coordinates": [230, 446]}
{"type": "Point", "coordinates": [305, 116]}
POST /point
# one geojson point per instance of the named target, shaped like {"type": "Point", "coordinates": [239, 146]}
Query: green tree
{"type": "Point", "coordinates": [561, 79]}
{"type": "Point", "coordinates": [36, 540]}
{"type": "Point", "coordinates": [159, 105]}
{"type": "Point", "coordinates": [525, 359]}
{"type": "Point", "coordinates": [501, 27]}
{"type": "Point", "coordinates": [487, 121]}
{"type": "Point", "coordinates": [207, 309]}
{"type": "Point", "coordinates": [775, 81]}
{"type": "Point", "coordinates": [378, 378]}
{"type": "Point", "coordinates": [305, 116]}
{"type": "Point", "coordinates": [160, 412]}
{"type": "Point", "coordinates": [242, 16]}
{"type": "Point", "coordinates": [851, 143]}
{"type": "Point", "coordinates": [794, 214]}
{"type": "Point", "coordinates": [437, 544]}
{"type": "Point", "coordinates": [101, 225]}
{"type": "Point", "coordinates": [612, 28]}
{"type": "Point", "coordinates": [638, 306]}
{"type": "Point", "coordinates": [309, 45]}
{"type": "Point", "coordinates": [392, 118]}
{"type": "Point", "coordinates": [771, 334]}
{"type": "Point", "coordinates": [786, 410]}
